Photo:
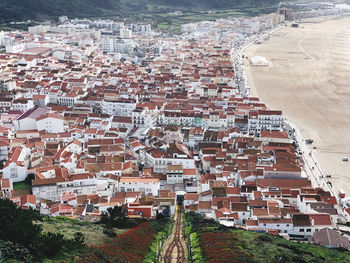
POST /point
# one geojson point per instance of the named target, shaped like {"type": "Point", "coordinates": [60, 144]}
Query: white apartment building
{"type": "Point", "coordinates": [5, 103]}
{"type": "Point", "coordinates": [147, 186]}
{"type": "Point", "coordinates": [52, 189]}
{"type": "Point", "coordinates": [125, 33]}
{"type": "Point", "coordinates": [142, 119]}
{"type": "Point", "coordinates": [160, 162]}
{"type": "Point", "coordinates": [174, 174]}
{"type": "Point", "coordinates": [121, 107]}
{"type": "Point", "coordinates": [51, 123]}
{"type": "Point", "coordinates": [22, 105]}
{"type": "Point", "coordinates": [265, 120]}
{"type": "Point", "coordinates": [67, 99]}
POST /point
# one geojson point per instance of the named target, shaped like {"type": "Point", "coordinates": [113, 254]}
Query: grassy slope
{"type": "Point", "coordinates": [268, 249]}
{"type": "Point", "coordinates": [296, 252]}
{"type": "Point", "coordinates": [68, 227]}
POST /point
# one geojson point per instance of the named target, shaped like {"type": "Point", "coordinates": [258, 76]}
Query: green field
{"type": "Point", "coordinates": [21, 186]}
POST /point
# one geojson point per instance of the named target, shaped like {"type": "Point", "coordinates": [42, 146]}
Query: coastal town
{"type": "Point", "coordinates": [97, 113]}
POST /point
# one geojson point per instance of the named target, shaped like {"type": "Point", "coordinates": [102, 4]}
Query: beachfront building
{"type": "Point", "coordinates": [265, 120]}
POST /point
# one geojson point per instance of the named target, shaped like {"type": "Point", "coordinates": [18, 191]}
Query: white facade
{"type": "Point", "coordinates": [140, 118]}
{"type": "Point", "coordinates": [266, 121]}
{"type": "Point", "coordinates": [125, 33]}
{"type": "Point", "coordinates": [50, 124]}
{"type": "Point", "coordinates": [122, 107]}
{"type": "Point", "coordinates": [22, 106]}
{"type": "Point", "coordinates": [15, 172]}
{"type": "Point", "coordinates": [160, 164]}
{"type": "Point", "coordinates": [54, 191]}
{"type": "Point", "coordinates": [144, 185]}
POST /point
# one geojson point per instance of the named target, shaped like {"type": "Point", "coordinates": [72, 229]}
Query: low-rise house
{"type": "Point", "coordinates": [330, 238]}
{"type": "Point", "coordinates": [6, 186]}
{"type": "Point", "coordinates": [28, 201]}
{"type": "Point", "coordinates": [15, 167]}
{"type": "Point", "coordinates": [27, 120]}
{"type": "Point", "coordinates": [226, 217]}
{"type": "Point", "coordinates": [305, 225]}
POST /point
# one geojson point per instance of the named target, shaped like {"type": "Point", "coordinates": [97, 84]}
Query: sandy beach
{"type": "Point", "coordinates": [309, 80]}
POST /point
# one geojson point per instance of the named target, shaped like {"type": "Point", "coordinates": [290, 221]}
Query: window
{"type": "Point", "coordinates": [301, 230]}
{"type": "Point", "coordinates": [13, 172]}
{"type": "Point", "coordinates": [308, 230]}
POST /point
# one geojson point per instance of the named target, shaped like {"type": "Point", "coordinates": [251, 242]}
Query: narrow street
{"type": "Point", "coordinates": [175, 250]}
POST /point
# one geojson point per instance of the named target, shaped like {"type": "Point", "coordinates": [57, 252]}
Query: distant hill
{"type": "Point", "coordinates": [20, 10]}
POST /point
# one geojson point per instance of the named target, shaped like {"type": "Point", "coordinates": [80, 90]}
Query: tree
{"type": "Point", "coordinates": [51, 244]}
{"type": "Point", "coordinates": [18, 225]}
{"type": "Point", "coordinates": [115, 217]}
{"type": "Point", "coordinates": [79, 240]}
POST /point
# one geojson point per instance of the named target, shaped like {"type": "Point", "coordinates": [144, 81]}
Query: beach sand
{"type": "Point", "coordinates": [309, 80]}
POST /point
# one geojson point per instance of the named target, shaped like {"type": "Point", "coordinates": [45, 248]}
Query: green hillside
{"type": "Point", "coordinates": [14, 10]}
{"type": "Point", "coordinates": [212, 242]}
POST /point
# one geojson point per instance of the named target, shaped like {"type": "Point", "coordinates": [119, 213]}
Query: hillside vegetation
{"type": "Point", "coordinates": [212, 242]}
{"type": "Point", "coordinates": [13, 10]}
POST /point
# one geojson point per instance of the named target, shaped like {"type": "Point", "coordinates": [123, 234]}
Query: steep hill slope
{"type": "Point", "coordinates": [212, 242]}
{"type": "Point", "coordinates": [11, 10]}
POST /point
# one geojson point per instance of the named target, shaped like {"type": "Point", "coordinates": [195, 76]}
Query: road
{"type": "Point", "coordinates": [237, 56]}
{"type": "Point", "coordinates": [312, 168]}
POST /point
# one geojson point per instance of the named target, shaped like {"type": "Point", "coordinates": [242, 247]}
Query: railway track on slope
{"type": "Point", "coordinates": [175, 252]}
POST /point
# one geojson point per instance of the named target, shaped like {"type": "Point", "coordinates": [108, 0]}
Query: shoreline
{"type": "Point", "coordinates": [302, 128]}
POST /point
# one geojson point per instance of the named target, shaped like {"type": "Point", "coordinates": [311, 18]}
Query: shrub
{"type": "Point", "coordinates": [9, 250]}
{"type": "Point", "coordinates": [109, 232]}
{"type": "Point", "coordinates": [131, 246]}
{"type": "Point", "coordinates": [265, 238]}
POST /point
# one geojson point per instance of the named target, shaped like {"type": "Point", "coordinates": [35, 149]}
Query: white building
{"type": "Point", "coordinates": [265, 120]}
{"type": "Point", "coordinates": [174, 174]}
{"type": "Point", "coordinates": [27, 121]}
{"type": "Point", "coordinates": [122, 107]}
{"type": "Point", "coordinates": [160, 160]}
{"type": "Point", "coordinates": [125, 33]}
{"type": "Point", "coordinates": [51, 123]}
{"type": "Point", "coordinates": [22, 104]}
{"type": "Point", "coordinates": [53, 188]}
{"type": "Point", "coordinates": [147, 186]}
{"type": "Point", "coordinates": [143, 119]}
{"type": "Point", "coordinates": [16, 166]}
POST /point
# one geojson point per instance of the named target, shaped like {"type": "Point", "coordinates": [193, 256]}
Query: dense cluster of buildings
{"type": "Point", "coordinates": [88, 131]}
